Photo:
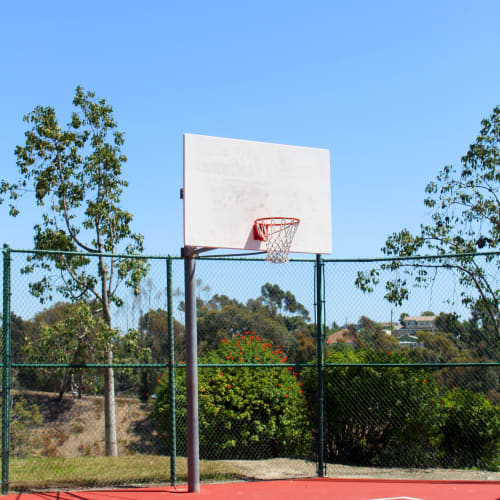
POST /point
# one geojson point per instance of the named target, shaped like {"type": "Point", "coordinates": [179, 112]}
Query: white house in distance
{"type": "Point", "coordinates": [405, 333]}
{"type": "Point", "coordinates": [413, 324]}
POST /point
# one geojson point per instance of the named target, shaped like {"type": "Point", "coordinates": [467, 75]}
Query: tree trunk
{"type": "Point", "coordinates": [62, 388]}
{"type": "Point", "coordinates": [80, 384]}
{"type": "Point", "coordinates": [109, 381]}
{"type": "Point", "coordinates": [109, 409]}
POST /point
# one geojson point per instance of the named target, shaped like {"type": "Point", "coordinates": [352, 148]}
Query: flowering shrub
{"type": "Point", "coordinates": [244, 412]}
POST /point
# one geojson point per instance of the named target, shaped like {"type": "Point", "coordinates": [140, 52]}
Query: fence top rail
{"type": "Point", "coordinates": [417, 257]}
{"type": "Point", "coordinates": [94, 254]}
{"type": "Point", "coordinates": [251, 259]}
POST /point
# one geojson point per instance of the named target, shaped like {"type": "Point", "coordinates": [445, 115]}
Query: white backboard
{"type": "Point", "coordinates": [228, 183]}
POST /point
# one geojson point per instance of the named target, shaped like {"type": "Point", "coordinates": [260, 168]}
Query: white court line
{"type": "Point", "coordinates": [396, 498]}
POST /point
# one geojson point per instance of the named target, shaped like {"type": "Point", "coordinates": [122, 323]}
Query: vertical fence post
{"type": "Point", "coordinates": [6, 370]}
{"type": "Point", "coordinates": [191, 371]}
{"type": "Point", "coordinates": [171, 376]}
{"type": "Point", "coordinates": [320, 368]}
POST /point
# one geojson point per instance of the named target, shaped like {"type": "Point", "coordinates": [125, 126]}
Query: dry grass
{"type": "Point", "coordinates": [69, 451]}
{"type": "Point", "coordinates": [75, 427]}
{"type": "Point", "coordinates": [91, 472]}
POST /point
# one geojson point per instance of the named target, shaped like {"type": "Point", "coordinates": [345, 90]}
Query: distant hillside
{"type": "Point", "coordinates": [75, 427]}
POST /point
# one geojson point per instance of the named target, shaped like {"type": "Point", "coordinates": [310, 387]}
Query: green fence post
{"type": "Point", "coordinates": [320, 368]}
{"type": "Point", "coordinates": [6, 370]}
{"type": "Point", "coordinates": [171, 376]}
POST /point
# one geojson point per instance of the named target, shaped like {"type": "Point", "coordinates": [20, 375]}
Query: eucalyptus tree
{"type": "Point", "coordinates": [75, 172]}
{"type": "Point", "coordinates": [273, 297]}
{"type": "Point", "coordinates": [464, 205]}
{"type": "Point", "coordinates": [79, 337]}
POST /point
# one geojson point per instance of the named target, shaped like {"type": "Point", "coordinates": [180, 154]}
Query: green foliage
{"type": "Point", "coordinates": [79, 337]}
{"type": "Point", "coordinates": [20, 330]}
{"type": "Point", "coordinates": [402, 317]}
{"type": "Point", "coordinates": [455, 341]}
{"type": "Point", "coordinates": [397, 416]}
{"type": "Point", "coordinates": [465, 219]}
{"type": "Point", "coordinates": [276, 299]}
{"type": "Point", "coordinates": [75, 172]}
{"type": "Point", "coordinates": [222, 317]}
{"type": "Point", "coordinates": [25, 418]}
{"type": "Point", "coordinates": [380, 415]}
{"type": "Point", "coordinates": [372, 336]}
{"type": "Point", "coordinates": [478, 379]}
{"type": "Point", "coordinates": [215, 325]}
{"type": "Point", "coordinates": [438, 347]}
{"type": "Point", "coordinates": [133, 348]}
{"type": "Point", "coordinates": [471, 433]}
{"type": "Point", "coordinates": [153, 328]}
{"type": "Point", "coordinates": [243, 412]}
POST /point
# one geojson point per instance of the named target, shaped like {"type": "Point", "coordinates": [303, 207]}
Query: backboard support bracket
{"type": "Point", "coordinates": [193, 251]}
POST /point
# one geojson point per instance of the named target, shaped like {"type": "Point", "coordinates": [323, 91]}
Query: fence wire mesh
{"type": "Point", "coordinates": [411, 367]}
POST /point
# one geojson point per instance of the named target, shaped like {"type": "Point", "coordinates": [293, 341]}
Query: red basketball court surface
{"type": "Point", "coordinates": [298, 489]}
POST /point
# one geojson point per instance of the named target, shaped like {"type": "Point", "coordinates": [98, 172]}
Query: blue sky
{"type": "Point", "coordinates": [395, 91]}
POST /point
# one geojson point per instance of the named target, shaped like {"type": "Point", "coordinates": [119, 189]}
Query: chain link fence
{"type": "Point", "coordinates": [407, 374]}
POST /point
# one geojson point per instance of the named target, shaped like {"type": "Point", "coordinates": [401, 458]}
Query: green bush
{"type": "Point", "coordinates": [244, 412]}
{"type": "Point", "coordinates": [397, 416]}
{"type": "Point", "coordinates": [377, 415]}
{"type": "Point", "coordinates": [25, 419]}
{"type": "Point", "coordinates": [471, 430]}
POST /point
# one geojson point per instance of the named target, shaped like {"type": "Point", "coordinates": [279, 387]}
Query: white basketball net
{"type": "Point", "coordinates": [278, 234]}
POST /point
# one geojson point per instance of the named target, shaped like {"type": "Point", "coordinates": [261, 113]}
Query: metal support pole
{"type": "Point", "coordinates": [320, 367]}
{"type": "Point", "coordinates": [171, 376]}
{"type": "Point", "coordinates": [6, 360]}
{"type": "Point", "coordinates": [191, 372]}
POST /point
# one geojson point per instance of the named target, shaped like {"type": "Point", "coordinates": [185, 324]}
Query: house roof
{"type": "Point", "coordinates": [408, 337]}
{"type": "Point", "coordinates": [420, 318]}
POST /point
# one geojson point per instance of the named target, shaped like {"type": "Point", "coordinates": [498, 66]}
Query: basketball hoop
{"type": "Point", "coordinates": [278, 233]}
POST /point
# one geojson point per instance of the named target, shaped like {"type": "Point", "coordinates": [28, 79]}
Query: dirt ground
{"type": "Point", "coordinates": [281, 468]}
{"type": "Point", "coordinates": [75, 427]}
